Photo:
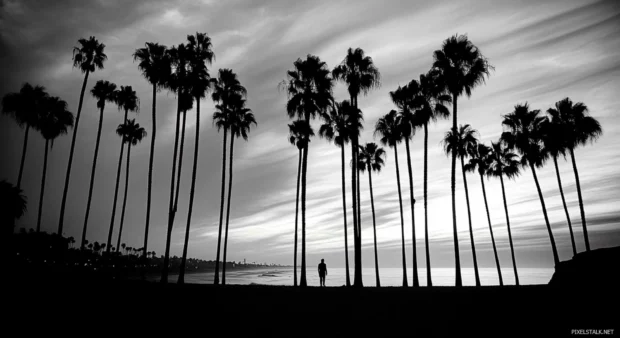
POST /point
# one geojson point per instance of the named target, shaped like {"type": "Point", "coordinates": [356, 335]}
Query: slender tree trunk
{"type": "Point", "coordinates": [556, 258]}
{"type": "Point", "coordinates": [68, 176]}
{"type": "Point", "coordinates": [358, 240]}
{"type": "Point", "coordinates": [216, 280]}
{"type": "Point", "coordinates": [457, 256]}
{"type": "Point", "coordinates": [344, 214]}
{"type": "Point", "coordinates": [302, 281]}
{"type": "Point", "coordinates": [357, 279]}
{"type": "Point", "coordinates": [180, 165]}
{"type": "Point", "coordinates": [118, 177]}
{"type": "Point", "coordinates": [150, 179]}
{"type": "Point", "coordinates": [570, 227]}
{"type": "Point", "coordinates": [428, 252]}
{"type": "Point", "coordinates": [92, 179]}
{"type": "Point", "coordinates": [357, 274]}
{"type": "Point", "coordinates": [486, 205]}
{"type": "Point", "coordinates": [416, 282]}
{"type": "Point", "coordinates": [402, 222]}
{"type": "Point", "coordinates": [181, 279]}
{"type": "Point", "coordinates": [583, 213]}
{"type": "Point", "coordinates": [512, 249]}
{"type": "Point", "coordinates": [120, 228]}
{"type": "Point", "coordinates": [21, 165]}
{"type": "Point", "coordinates": [374, 225]}
{"type": "Point", "coordinates": [42, 185]}
{"type": "Point", "coordinates": [471, 229]}
{"type": "Point", "coordinates": [297, 217]}
{"type": "Point", "coordinates": [230, 178]}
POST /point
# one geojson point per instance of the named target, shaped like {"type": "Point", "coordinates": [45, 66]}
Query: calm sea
{"type": "Point", "coordinates": [388, 276]}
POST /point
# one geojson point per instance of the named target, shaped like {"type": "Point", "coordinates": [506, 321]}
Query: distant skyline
{"type": "Point", "coordinates": [542, 51]}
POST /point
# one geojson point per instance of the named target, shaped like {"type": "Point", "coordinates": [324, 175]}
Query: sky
{"type": "Point", "coordinates": [542, 51]}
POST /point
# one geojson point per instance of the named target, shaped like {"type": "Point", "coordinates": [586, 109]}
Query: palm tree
{"type": "Point", "coordinates": [126, 100]}
{"type": "Point", "coordinates": [462, 142]}
{"type": "Point", "coordinates": [24, 108]}
{"type": "Point", "coordinates": [103, 91]}
{"type": "Point", "coordinates": [361, 75]}
{"type": "Point", "coordinates": [186, 103]}
{"type": "Point", "coordinates": [407, 121]}
{"type": "Point", "coordinates": [154, 62]}
{"type": "Point", "coordinates": [132, 134]}
{"type": "Point", "coordinates": [480, 157]}
{"type": "Point", "coordinates": [524, 133]}
{"type": "Point", "coordinates": [335, 128]}
{"type": "Point", "coordinates": [242, 119]}
{"type": "Point", "coordinates": [300, 133]}
{"type": "Point", "coordinates": [225, 88]}
{"type": "Point", "coordinates": [199, 82]}
{"type": "Point", "coordinates": [581, 129]}
{"type": "Point", "coordinates": [372, 159]}
{"type": "Point", "coordinates": [309, 88]}
{"type": "Point", "coordinates": [87, 57]}
{"type": "Point", "coordinates": [391, 134]}
{"type": "Point", "coordinates": [461, 67]}
{"type": "Point", "coordinates": [54, 120]}
{"type": "Point", "coordinates": [13, 205]}
{"type": "Point", "coordinates": [503, 162]}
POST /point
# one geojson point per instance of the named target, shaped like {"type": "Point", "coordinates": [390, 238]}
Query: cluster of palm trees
{"type": "Point", "coordinates": [458, 68]}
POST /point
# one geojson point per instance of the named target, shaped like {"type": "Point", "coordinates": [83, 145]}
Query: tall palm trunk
{"type": "Point", "coordinates": [402, 222]}
{"type": "Point", "coordinates": [302, 281]}
{"type": "Point", "coordinates": [512, 249]}
{"type": "Point", "coordinates": [486, 205]}
{"type": "Point", "coordinates": [230, 178]}
{"type": "Point", "coordinates": [471, 229]}
{"type": "Point", "coordinates": [416, 282]}
{"type": "Point", "coordinates": [457, 256]}
{"type": "Point", "coordinates": [42, 185]}
{"type": "Point", "coordinates": [570, 227]}
{"type": "Point", "coordinates": [556, 258]}
{"type": "Point", "coordinates": [428, 252]}
{"type": "Point", "coordinates": [180, 165]}
{"type": "Point", "coordinates": [68, 176]}
{"type": "Point", "coordinates": [92, 179]}
{"type": "Point", "coordinates": [171, 212]}
{"type": "Point", "coordinates": [359, 215]}
{"type": "Point", "coordinates": [120, 228]}
{"type": "Point", "coordinates": [181, 279]}
{"type": "Point", "coordinates": [297, 218]}
{"type": "Point", "coordinates": [374, 225]}
{"type": "Point", "coordinates": [357, 275]}
{"type": "Point", "coordinates": [21, 165]}
{"type": "Point", "coordinates": [216, 280]}
{"type": "Point", "coordinates": [118, 177]}
{"type": "Point", "coordinates": [344, 214]}
{"type": "Point", "coordinates": [583, 213]}
{"type": "Point", "coordinates": [150, 179]}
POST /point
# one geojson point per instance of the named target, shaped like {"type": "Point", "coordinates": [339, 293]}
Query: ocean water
{"type": "Point", "coordinates": [388, 276]}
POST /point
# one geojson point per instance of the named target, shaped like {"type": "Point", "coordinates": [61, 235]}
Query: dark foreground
{"type": "Point", "coordinates": [126, 308]}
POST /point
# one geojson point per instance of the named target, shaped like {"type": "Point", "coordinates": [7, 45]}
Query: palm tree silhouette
{"type": "Point", "coordinates": [87, 57]}
{"type": "Point", "coordinates": [391, 134]}
{"type": "Point", "coordinates": [581, 128]}
{"type": "Point", "coordinates": [361, 75]}
{"type": "Point", "coordinates": [103, 91]}
{"type": "Point", "coordinates": [336, 128]}
{"type": "Point", "coordinates": [132, 134]}
{"type": "Point", "coordinates": [300, 133]}
{"type": "Point", "coordinates": [407, 121]}
{"type": "Point", "coordinates": [503, 162]}
{"type": "Point", "coordinates": [13, 205]}
{"type": "Point", "coordinates": [154, 62]}
{"type": "Point", "coordinates": [225, 88]}
{"type": "Point", "coordinates": [309, 88]}
{"type": "Point", "coordinates": [54, 120]}
{"type": "Point", "coordinates": [199, 81]}
{"type": "Point", "coordinates": [371, 159]}
{"type": "Point", "coordinates": [462, 141]}
{"type": "Point", "coordinates": [524, 133]}
{"type": "Point", "coordinates": [126, 100]}
{"type": "Point", "coordinates": [461, 67]}
{"type": "Point", "coordinates": [242, 119]}
{"type": "Point", "coordinates": [24, 107]}
{"type": "Point", "coordinates": [480, 158]}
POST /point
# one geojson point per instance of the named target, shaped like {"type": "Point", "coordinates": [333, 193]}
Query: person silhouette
{"type": "Point", "coordinates": [322, 272]}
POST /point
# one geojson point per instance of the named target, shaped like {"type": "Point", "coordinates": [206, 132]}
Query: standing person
{"type": "Point", "coordinates": [322, 272]}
